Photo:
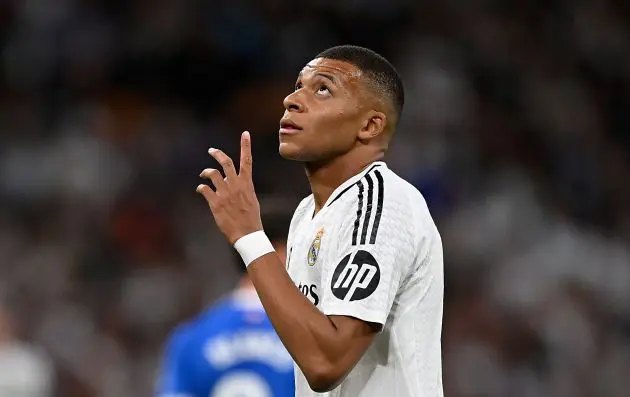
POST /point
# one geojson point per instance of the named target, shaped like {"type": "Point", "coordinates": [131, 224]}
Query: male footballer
{"type": "Point", "coordinates": [359, 304]}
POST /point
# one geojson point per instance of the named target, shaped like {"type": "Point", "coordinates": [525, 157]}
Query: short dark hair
{"type": "Point", "coordinates": [381, 74]}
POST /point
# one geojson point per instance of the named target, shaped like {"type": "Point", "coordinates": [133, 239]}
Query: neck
{"type": "Point", "coordinates": [327, 176]}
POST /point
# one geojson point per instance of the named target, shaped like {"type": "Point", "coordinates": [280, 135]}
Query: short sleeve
{"type": "Point", "coordinates": [375, 249]}
{"type": "Point", "coordinates": [174, 379]}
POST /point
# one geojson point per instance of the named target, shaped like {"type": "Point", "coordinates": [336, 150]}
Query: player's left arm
{"type": "Point", "coordinates": [374, 252]}
{"type": "Point", "coordinates": [325, 347]}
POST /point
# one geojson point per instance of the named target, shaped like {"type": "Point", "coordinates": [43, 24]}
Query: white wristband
{"type": "Point", "coordinates": [252, 246]}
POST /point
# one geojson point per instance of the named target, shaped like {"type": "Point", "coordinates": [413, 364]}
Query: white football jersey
{"type": "Point", "coordinates": [374, 253]}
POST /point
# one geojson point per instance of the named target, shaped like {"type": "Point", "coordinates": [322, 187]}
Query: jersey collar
{"type": "Point", "coordinates": [345, 186]}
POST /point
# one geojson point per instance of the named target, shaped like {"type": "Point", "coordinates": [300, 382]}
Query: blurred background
{"type": "Point", "coordinates": [516, 129]}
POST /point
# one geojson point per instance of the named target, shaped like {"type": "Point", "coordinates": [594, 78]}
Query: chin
{"type": "Point", "coordinates": [290, 151]}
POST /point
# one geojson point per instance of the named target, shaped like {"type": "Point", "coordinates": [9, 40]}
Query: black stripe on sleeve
{"type": "Point", "coordinates": [368, 210]}
{"type": "Point", "coordinates": [349, 187]}
{"type": "Point", "coordinates": [379, 206]}
{"type": "Point", "coordinates": [359, 209]}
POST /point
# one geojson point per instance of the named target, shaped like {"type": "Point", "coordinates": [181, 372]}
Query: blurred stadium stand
{"type": "Point", "coordinates": [516, 128]}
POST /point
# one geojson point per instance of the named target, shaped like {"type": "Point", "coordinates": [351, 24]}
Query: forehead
{"type": "Point", "coordinates": [339, 70]}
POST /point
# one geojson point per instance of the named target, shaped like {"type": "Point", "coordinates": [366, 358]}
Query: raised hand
{"type": "Point", "coordinates": [233, 201]}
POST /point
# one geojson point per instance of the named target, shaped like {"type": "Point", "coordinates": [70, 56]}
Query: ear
{"type": "Point", "coordinates": [373, 125]}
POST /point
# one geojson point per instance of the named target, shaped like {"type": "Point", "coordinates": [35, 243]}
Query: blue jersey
{"type": "Point", "coordinates": [231, 350]}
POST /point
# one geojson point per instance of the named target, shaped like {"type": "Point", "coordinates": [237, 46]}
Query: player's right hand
{"type": "Point", "coordinates": [233, 201]}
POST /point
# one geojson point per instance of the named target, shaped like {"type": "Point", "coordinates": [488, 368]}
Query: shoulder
{"type": "Point", "coordinates": [379, 190]}
{"type": "Point", "coordinates": [383, 203]}
{"type": "Point", "coordinates": [179, 340]}
{"type": "Point", "coordinates": [398, 190]}
{"type": "Point", "coordinates": [407, 208]}
{"type": "Point", "coordinates": [302, 211]}
{"type": "Point", "coordinates": [303, 207]}
{"type": "Point", "coordinates": [403, 194]}
{"type": "Point", "coordinates": [226, 313]}
{"type": "Point", "coordinates": [378, 183]}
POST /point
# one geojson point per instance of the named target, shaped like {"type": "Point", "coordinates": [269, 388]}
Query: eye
{"type": "Point", "coordinates": [323, 89]}
{"type": "Point", "coordinates": [298, 86]}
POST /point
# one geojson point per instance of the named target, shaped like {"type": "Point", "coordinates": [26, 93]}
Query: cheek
{"type": "Point", "coordinates": [331, 135]}
{"type": "Point", "coordinates": [337, 126]}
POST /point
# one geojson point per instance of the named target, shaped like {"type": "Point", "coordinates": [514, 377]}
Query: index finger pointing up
{"type": "Point", "coordinates": [246, 154]}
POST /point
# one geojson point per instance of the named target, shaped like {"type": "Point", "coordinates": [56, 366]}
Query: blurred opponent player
{"type": "Point", "coordinates": [231, 350]}
{"type": "Point", "coordinates": [359, 306]}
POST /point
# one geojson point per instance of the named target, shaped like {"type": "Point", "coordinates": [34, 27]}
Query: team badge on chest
{"type": "Point", "coordinates": [313, 252]}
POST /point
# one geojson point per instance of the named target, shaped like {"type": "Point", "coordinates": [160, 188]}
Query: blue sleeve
{"type": "Point", "coordinates": [175, 378]}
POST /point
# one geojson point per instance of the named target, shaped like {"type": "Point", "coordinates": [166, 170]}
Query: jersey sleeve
{"type": "Point", "coordinates": [175, 378]}
{"type": "Point", "coordinates": [374, 250]}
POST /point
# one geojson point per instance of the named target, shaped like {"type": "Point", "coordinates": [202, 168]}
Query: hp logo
{"type": "Point", "coordinates": [356, 279]}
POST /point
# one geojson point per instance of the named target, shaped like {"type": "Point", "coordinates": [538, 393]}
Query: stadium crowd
{"type": "Point", "coordinates": [516, 129]}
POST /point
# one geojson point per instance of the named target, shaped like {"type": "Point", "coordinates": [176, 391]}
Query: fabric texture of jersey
{"type": "Point", "coordinates": [374, 253]}
{"type": "Point", "coordinates": [231, 350]}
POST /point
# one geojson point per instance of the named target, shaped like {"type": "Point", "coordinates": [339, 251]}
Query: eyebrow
{"type": "Point", "coordinates": [327, 76]}
{"type": "Point", "coordinates": [322, 74]}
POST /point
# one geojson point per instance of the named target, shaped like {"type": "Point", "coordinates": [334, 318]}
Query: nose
{"type": "Point", "coordinates": [292, 103]}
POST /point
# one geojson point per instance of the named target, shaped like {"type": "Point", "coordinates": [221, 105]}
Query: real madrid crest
{"type": "Point", "coordinates": [313, 252]}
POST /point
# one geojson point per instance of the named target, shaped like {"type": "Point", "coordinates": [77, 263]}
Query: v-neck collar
{"type": "Point", "coordinates": [345, 186]}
